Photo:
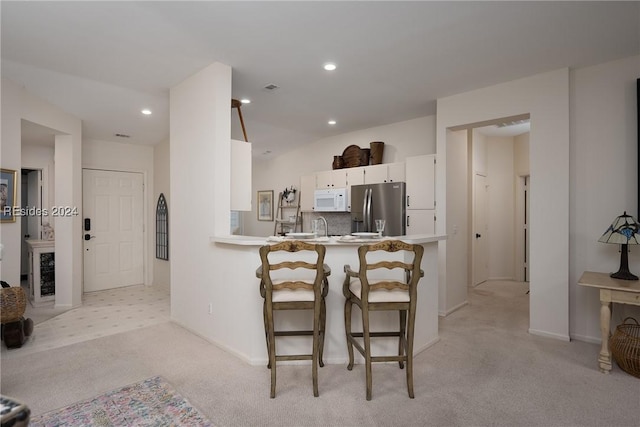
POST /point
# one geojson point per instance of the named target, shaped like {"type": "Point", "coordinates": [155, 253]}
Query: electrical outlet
{"type": "Point", "coordinates": [210, 308]}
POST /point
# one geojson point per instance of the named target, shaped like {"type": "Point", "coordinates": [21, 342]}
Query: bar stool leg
{"type": "Point", "coordinates": [271, 347]}
{"type": "Point", "coordinates": [403, 334]}
{"type": "Point", "coordinates": [323, 324]}
{"type": "Point", "coordinates": [410, 332]}
{"type": "Point", "coordinates": [266, 332]}
{"type": "Point", "coordinates": [316, 343]}
{"type": "Point", "coordinates": [367, 348]}
{"type": "Point", "coordinates": [347, 326]}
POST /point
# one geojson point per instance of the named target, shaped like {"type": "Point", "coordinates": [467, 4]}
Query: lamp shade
{"type": "Point", "coordinates": [623, 231]}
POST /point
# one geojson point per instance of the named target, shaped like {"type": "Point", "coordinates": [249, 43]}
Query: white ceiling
{"type": "Point", "coordinates": [105, 61]}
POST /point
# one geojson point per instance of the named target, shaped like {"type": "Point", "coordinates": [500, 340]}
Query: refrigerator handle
{"type": "Point", "coordinates": [369, 221]}
{"type": "Point", "coordinates": [364, 208]}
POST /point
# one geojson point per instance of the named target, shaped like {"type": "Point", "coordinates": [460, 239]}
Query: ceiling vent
{"type": "Point", "coordinates": [512, 123]}
{"type": "Point", "coordinates": [122, 135]}
{"type": "Point", "coordinates": [271, 87]}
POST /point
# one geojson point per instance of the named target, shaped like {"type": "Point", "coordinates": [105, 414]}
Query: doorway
{"type": "Point", "coordinates": [113, 228]}
{"type": "Point", "coordinates": [31, 197]}
{"type": "Point", "coordinates": [501, 163]}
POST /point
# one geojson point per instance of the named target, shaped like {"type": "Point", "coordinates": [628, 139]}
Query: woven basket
{"type": "Point", "coordinates": [625, 346]}
{"type": "Point", "coordinates": [13, 303]}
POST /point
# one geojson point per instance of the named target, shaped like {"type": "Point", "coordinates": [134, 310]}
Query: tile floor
{"type": "Point", "coordinates": [102, 313]}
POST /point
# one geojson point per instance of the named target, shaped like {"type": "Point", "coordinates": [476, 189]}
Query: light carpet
{"type": "Point", "coordinates": [152, 402]}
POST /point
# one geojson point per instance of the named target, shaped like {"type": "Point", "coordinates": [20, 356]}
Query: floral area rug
{"type": "Point", "coordinates": [152, 402]}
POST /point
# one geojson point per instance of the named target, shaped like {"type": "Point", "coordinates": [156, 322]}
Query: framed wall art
{"type": "Point", "coordinates": [265, 205]}
{"type": "Point", "coordinates": [7, 195]}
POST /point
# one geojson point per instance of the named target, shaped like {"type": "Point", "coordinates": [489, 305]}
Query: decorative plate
{"type": "Point", "coordinates": [351, 156]}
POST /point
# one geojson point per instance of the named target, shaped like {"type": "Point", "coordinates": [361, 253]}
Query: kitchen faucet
{"type": "Point", "coordinates": [326, 227]}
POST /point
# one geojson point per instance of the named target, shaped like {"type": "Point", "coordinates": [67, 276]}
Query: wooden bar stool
{"type": "Point", "coordinates": [301, 285]}
{"type": "Point", "coordinates": [388, 293]}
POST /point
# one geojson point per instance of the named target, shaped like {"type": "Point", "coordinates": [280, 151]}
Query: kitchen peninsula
{"type": "Point", "coordinates": [244, 287]}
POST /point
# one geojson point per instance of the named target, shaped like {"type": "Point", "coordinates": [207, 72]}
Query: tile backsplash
{"type": "Point", "coordinates": [339, 223]}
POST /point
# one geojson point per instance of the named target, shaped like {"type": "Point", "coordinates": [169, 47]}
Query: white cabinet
{"type": "Point", "coordinates": [421, 182]}
{"type": "Point", "coordinates": [396, 172]}
{"type": "Point", "coordinates": [337, 178]}
{"type": "Point", "coordinates": [421, 192]}
{"type": "Point", "coordinates": [307, 188]}
{"type": "Point", "coordinates": [354, 176]}
{"type": "Point", "coordinates": [390, 172]}
{"type": "Point", "coordinates": [421, 221]}
{"type": "Point", "coordinates": [42, 276]}
{"type": "Point", "coordinates": [240, 175]}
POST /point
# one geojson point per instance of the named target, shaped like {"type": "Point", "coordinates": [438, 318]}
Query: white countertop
{"type": "Point", "coordinates": [330, 241]}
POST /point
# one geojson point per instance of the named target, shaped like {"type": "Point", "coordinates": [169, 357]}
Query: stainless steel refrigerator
{"type": "Point", "coordinates": [379, 201]}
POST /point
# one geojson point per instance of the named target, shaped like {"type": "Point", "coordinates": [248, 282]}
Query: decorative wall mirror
{"type": "Point", "coordinates": [162, 229]}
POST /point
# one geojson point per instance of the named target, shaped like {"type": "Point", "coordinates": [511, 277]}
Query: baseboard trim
{"type": "Point", "coordinates": [549, 335]}
{"type": "Point", "coordinates": [451, 310]}
{"type": "Point", "coordinates": [586, 338]}
{"type": "Point", "coordinates": [229, 350]}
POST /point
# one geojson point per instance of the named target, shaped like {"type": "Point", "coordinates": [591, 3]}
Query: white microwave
{"type": "Point", "coordinates": [330, 200]}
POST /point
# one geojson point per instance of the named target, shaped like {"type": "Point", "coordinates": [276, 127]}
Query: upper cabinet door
{"type": "Point", "coordinates": [421, 182]}
{"type": "Point", "coordinates": [376, 174]}
{"type": "Point", "coordinates": [324, 179]}
{"type": "Point", "coordinates": [354, 176]}
{"type": "Point", "coordinates": [388, 172]}
{"type": "Point", "coordinates": [331, 179]}
{"type": "Point", "coordinates": [396, 172]}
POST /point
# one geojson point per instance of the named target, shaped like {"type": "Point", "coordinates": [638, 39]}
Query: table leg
{"type": "Point", "coordinates": [604, 358]}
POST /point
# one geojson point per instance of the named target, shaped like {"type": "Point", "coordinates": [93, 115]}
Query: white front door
{"type": "Point", "coordinates": [113, 227]}
{"type": "Point", "coordinates": [480, 231]}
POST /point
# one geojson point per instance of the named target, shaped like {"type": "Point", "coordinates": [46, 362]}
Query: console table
{"type": "Point", "coordinates": [611, 290]}
{"type": "Point", "coordinates": [42, 277]}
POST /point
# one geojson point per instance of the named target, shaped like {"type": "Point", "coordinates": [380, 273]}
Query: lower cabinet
{"type": "Point", "coordinates": [42, 271]}
{"type": "Point", "coordinates": [421, 221]}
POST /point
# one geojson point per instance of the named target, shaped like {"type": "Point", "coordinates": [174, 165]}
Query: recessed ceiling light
{"type": "Point", "coordinates": [146, 112]}
{"type": "Point", "coordinates": [329, 66]}
{"type": "Point", "coordinates": [332, 122]}
{"type": "Point", "coordinates": [245, 101]}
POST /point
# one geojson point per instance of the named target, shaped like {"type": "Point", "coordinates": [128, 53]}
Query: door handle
{"type": "Point", "coordinates": [88, 237]}
{"type": "Point", "coordinates": [478, 236]}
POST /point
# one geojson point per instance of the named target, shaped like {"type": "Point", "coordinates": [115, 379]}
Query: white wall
{"type": "Point", "coordinates": [403, 139]}
{"type": "Point", "coordinates": [121, 157]}
{"type": "Point", "coordinates": [161, 183]}
{"type": "Point", "coordinates": [603, 180]}
{"type": "Point", "coordinates": [501, 212]}
{"type": "Point", "coordinates": [546, 98]}
{"type": "Point", "coordinates": [457, 199]}
{"type": "Point", "coordinates": [203, 273]}
{"type": "Point", "coordinates": [18, 104]}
